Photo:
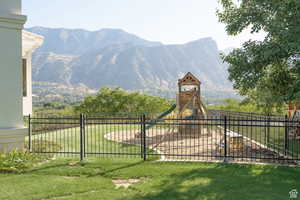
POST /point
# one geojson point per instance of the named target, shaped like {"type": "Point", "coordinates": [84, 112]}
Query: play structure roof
{"type": "Point", "coordinates": [189, 79]}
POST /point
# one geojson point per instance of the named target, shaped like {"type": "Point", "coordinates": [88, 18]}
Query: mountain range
{"type": "Point", "coordinates": [113, 57]}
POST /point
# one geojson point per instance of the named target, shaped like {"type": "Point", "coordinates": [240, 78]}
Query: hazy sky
{"type": "Point", "coordinates": [167, 21]}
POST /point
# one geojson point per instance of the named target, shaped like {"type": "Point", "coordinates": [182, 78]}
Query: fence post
{"type": "Point", "coordinates": [144, 137]}
{"type": "Point", "coordinates": [29, 134]}
{"type": "Point", "coordinates": [84, 136]}
{"type": "Point", "coordinates": [81, 137]}
{"type": "Point", "coordinates": [285, 135]}
{"type": "Point", "coordinates": [141, 136]}
{"type": "Point", "coordinates": [268, 130]}
{"type": "Point", "coordinates": [225, 138]}
{"type": "Point", "coordinates": [251, 128]}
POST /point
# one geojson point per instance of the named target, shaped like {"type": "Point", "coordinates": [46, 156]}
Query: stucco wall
{"type": "Point", "coordinates": [11, 7]}
{"type": "Point", "coordinates": [12, 131]}
{"type": "Point", "coordinates": [11, 78]}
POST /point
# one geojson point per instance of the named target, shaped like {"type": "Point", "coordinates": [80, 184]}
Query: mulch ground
{"type": "Point", "coordinates": [201, 145]}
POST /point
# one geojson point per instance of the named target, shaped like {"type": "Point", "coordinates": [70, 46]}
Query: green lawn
{"type": "Point", "coordinates": [68, 140]}
{"type": "Point", "coordinates": [91, 180]}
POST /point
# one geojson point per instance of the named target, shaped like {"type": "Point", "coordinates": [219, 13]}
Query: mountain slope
{"type": "Point", "coordinates": [157, 67]}
{"type": "Point", "coordinates": [112, 57]}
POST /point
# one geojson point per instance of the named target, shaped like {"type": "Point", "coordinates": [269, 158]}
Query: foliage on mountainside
{"type": "Point", "coordinates": [266, 71]}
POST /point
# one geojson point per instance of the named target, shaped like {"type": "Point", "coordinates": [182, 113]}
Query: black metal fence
{"type": "Point", "coordinates": [223, 136]}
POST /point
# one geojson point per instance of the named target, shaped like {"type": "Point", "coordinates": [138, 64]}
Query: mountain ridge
{"type": "Point", "coordinates": [113, 57]}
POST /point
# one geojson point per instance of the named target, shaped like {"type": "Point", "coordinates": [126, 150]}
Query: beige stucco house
{"type": "Point", "coordinates": [15, 74]}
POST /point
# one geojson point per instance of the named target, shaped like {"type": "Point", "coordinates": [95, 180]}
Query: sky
{"type": "Point", "coordinates": [167, 21]}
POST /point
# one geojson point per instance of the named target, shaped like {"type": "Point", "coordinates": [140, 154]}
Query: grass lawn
{"type": "Point", "coordinates": [91, 180]}
{"type": "Point", "coordinates": [68, 140]}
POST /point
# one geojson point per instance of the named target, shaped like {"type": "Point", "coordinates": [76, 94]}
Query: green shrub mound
{"type": "Point", "coordinates": [41, 145]}
{"type": "Point", "coordinates": [17, 162]}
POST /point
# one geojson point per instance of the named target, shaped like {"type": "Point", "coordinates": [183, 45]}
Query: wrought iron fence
{"type": "Point", "coordinates": [229, 137]}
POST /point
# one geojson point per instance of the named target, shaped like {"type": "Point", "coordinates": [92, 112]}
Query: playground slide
{"type": "Point", "coordinates": [162, 115]}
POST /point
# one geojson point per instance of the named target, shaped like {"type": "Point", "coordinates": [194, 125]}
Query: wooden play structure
{"type": "Point", "coordinates": [190, 105]}
{"type": "Point", "coordinates": [189, 98]}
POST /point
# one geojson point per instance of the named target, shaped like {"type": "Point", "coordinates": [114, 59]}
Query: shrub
{"type": "Point", "coordinates": [17, 162]}
{"type": "Point", "coordinates": [44, 146]}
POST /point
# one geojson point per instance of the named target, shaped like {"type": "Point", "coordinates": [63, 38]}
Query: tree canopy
{"type": "Point", "coordinates": [246, 105]}
{"type": "Point", "coordinates": [116, 100]}
{"type": "Point", "coordinates": [267, 71]}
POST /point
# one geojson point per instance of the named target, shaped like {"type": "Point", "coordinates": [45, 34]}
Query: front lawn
{"type": "Point", "coordinates": [91, 180]}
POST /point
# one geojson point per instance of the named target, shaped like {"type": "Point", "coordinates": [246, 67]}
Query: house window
{"type": "Point", "coordinates": [24, 72]}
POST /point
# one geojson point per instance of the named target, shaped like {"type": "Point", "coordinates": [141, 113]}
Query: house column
{"type": "Point", "coordinates": [12, 130]}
